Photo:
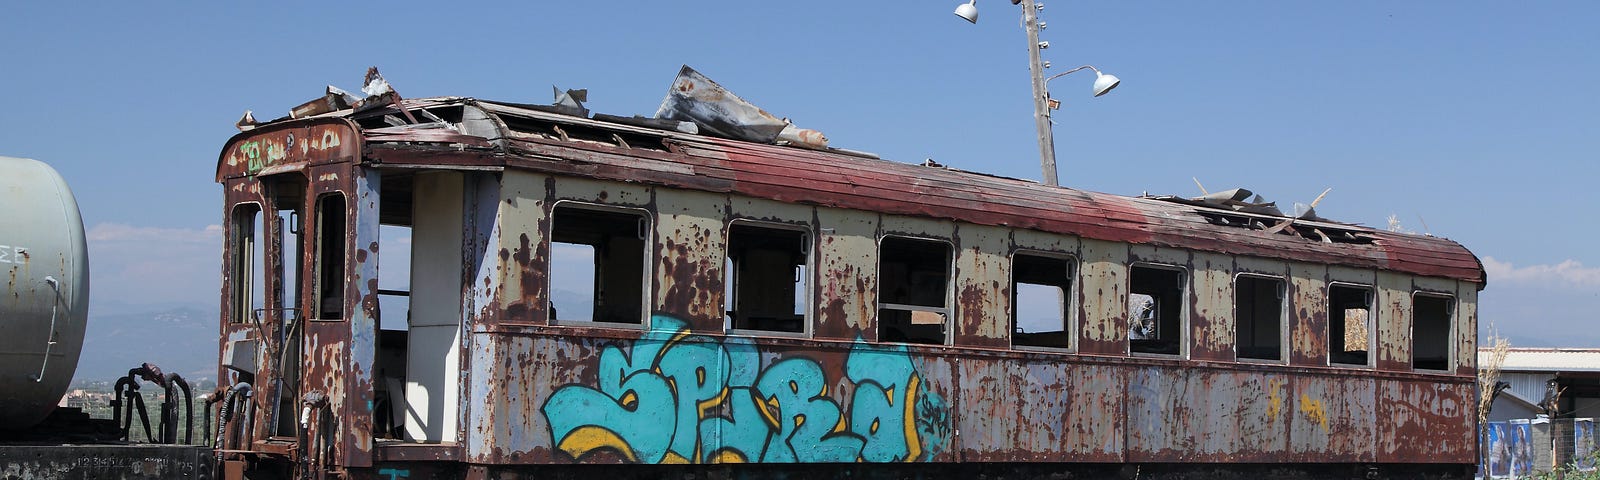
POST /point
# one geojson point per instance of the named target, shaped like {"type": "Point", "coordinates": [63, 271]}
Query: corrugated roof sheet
{"type": "Point", "coordinates": [1548, 359]}
{"type": "Point", "coordinates": [835, 179]}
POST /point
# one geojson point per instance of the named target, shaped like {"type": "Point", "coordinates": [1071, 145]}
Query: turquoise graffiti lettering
{"type": "Point", "coordinates": [671, 397]}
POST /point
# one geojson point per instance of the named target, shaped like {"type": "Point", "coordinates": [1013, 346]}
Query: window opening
{"type": "Point", "coordinates": [394, 329]}
{"type": "Point", "coordinates": [1349, 321]}
{"type": "Point", "coordinates": [1040, 310]}
{"type": "Point", "coordinates": [597, 265]}
{"type": "Point", "coordinates": [285, 235]}
{"type": "Point", "coordinates": [1430, 331]}
{"type": "Point", "coordinates": [1155, 310]}
{"type": "Point", "coordinates": [249, 278]}
{"type": "Point", "coordinates": [330, 257]}
{"type": "Point", "coordinates": [913, 279]}
{"type": "Point", "coordinates": [394, 276]}
{"type": "Point", "coordinates": [766, 278]}
{"type": "Point", "coordinates": [1258, 311]}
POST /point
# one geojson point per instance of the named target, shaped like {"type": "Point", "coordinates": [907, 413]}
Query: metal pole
{"type": "Point", "coordinates": [1041, 97]}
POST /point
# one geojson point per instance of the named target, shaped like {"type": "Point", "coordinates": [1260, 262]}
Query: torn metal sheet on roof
{"type": "Point", "coordinates": [696, 98]}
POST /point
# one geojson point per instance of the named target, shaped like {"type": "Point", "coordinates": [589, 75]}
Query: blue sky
{"type": "Point", "coordinates": [1475, 121]}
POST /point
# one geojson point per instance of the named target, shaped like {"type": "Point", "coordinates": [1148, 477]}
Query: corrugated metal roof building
{"type": "Point", "coordinates": [1529, 371]}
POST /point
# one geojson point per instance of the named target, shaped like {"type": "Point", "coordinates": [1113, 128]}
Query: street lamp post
{"type": "Point", "coordinates": [1041, 94]}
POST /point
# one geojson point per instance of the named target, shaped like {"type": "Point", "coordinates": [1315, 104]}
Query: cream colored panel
{"type": "Point", "coordinates": [433, 346]}
{"type": "Point", "coordinates": [847, 277]}
{"type": "Point", "coordinates": [692, 242]}
{"type": "Point", "coordinates": [522, 214]}
{"type": "Point", "coordinates": [983, 286]}
{"type": "Point", "coordinates": [608, 193]}
{"type": "Point", "coordinates": [918, 227]}
{"type": "Point", "coordinates": [1046, 242]}
{"type": "Point", "coordinates": [1308, 314]}
{"type": "Point", "coordinates": [768, 210]}
{"type": "Point", "coordinates": [1212, 318]}
{"type": "Point", "coordinates": [1466, 324]}
{"type": "Point", "coordinates": [1105, 296]}
{"type": "Point", "coordinates": [1394, 321]}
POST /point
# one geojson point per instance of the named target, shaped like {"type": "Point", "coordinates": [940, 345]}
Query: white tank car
{"type": "Point", "coordinates": [44, 306]}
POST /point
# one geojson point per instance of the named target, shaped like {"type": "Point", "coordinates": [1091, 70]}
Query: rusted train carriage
{"type": "Point", "coordinates": [591, 290]}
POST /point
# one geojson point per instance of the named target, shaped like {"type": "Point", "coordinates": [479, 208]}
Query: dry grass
{"type": "Point", "coordinates": [1489, 370]}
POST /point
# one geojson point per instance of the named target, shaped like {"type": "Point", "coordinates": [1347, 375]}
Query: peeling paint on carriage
{"type": "Point", "coordinates": [1105, 304]}
{"type": "Point", "coordinates": [1332, 419]}
{"type": "Point", "coordinates": [1212, 317]}
{"type": "Point", "coordinates": [847, 275]}
{"type": "Point", "coordinates": [1425, 422]}
{"type": "Point", "coordinates": [1466, 323]}
{"type": "Point", "coordinates": [1392, 308]}
{"type": "Point", "coordinates": [681, 390]}
{"type": "Point", "coordinates": [1204, 415]}
{"type": "Point", "coordinates": [1308, 314]}
{"type": "Point", "coordinates": [982, 280]}
{"type": "Point", "coordinates": [521, 224]}
{"type": "Point", "coordinates": [1040, 409]}
{"type": "Point", "coordinates": [690, 248]}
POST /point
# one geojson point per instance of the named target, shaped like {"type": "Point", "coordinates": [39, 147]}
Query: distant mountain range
{"type": "Point", "coordinates": [178, 339]}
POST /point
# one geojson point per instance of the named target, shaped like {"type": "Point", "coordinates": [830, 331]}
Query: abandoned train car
{"type": "Point", "coordinates": [559, 289]}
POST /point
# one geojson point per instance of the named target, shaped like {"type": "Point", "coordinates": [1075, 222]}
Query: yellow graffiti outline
{"type": "Point", "coordinates": [727, 455]}
{"type": "Point", "coordinates": [913, 443]}
{"type": "Point", "coordinates": [769, 408]}
{"type": "Point", "coordinates": [589, 438]}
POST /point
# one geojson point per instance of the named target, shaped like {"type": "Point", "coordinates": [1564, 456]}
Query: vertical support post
{"type": "Point", "coordinates": [1041, 97]}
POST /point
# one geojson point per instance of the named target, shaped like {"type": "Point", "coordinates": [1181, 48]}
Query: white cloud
{"type": "Point", "coordinates": [1568, 273]}
{"type": "Point", "coordinates": [120, 232]}
{"type": "Point", "coordinates": [134, 265]}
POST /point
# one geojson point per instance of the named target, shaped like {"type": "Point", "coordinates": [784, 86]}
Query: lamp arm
{"type": "Point", "coordinates": [1063, 74]}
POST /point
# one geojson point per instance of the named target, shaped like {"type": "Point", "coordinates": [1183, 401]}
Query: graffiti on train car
{"type": "Point", "coordinates": [659, 402]}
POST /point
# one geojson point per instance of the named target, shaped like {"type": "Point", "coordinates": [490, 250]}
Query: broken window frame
{"type": "Point", "coordinates": [1183, 310]}
{"type": "Point", "coordinates": [646, 230]}
{"type": "Point", "coordinates": [1372, 324]}
{"type": "Point", "coordinates": [247, 276]}
{"type": "Point", "coordinates": [944, 311]}
{"type": "Point", "coordinates": [1069, 296]}
{"type": "Point", "coordinates": [1449, 333]}
{"type": "Point", "coordinates": [1283, 317]}
{"type": "Point", "coordinates": [731, 277]}
{"type": "Point", "coordinates": [321, 272]}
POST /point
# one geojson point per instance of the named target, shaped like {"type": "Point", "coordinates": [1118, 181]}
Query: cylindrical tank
{"type": "Point", "coordinates": [45, 304]}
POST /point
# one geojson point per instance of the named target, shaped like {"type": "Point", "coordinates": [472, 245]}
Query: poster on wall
{"type": "Point", "coordinates": [1519, 433]}
{"type": "Point", "coordinates": [1583, 451]}
{"type": "Point", "coordinates": [1499, 457]}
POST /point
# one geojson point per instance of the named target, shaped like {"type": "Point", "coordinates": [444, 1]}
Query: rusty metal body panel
{"type": "Point", "coordinates": [847, 282]}
{"type": "Point", "coordinates": [692, 232]}
{"type": "Point", "coordinates": [681, 388]}
{"type": "Point", "coordinates": [982, 287]}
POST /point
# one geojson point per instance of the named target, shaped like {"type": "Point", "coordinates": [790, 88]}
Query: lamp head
{"type": "Point", "coordinates": [968, 11]}
{"type": "Point", "coordinates": [1104, 82]}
